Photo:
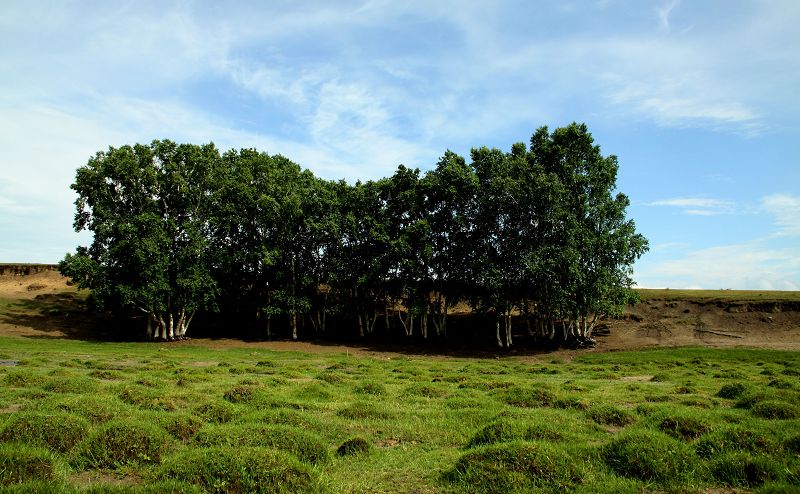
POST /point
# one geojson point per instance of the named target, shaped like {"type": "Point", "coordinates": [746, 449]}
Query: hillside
{"type": "Point", "coordinates": [42, 304]}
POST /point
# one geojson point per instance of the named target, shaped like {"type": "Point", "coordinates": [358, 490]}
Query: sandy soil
{"type": "Point", "coordinates": [42, 305]}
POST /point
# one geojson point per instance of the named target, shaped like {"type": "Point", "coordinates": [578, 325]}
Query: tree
{"type": "Point", "coordinates": [146, 206]}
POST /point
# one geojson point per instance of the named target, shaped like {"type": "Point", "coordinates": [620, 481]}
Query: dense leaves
{"type": "Point", "coordinates": [537, 236]}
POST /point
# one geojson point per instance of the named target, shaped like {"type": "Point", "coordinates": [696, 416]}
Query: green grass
{"type": "Point", "coordinates": [718, 295]}
{"type": "Point", "coordinates": [148, 417]}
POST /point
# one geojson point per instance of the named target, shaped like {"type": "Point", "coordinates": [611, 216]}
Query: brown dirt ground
{"type": "Point", "coordinates": [42, 305]}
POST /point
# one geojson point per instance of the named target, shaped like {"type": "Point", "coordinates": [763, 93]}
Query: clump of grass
{"type": "Point", "coordinates": [793, 444]}
{"type": "Point", "coordinates": [362, 410]}
{"type": "Point", "coordinates": [147, 399]}
{"type": "Point", "coordinates": [731, 438]}
{"type": "Point", "coordinates": [515, 467]}
{"type": "Point", "coordinates": [649, 456]}
{"type": "Point", "coordinates": [105, 375]}
{"type": "Point", "coordinates": [777, 488]}
{"type": "Point", "coordinates": [528, 397]}
{"type": "Point", "coordinates": [332, 377]}
{"type": "Point", "coordinates": [182, 426]}
{"type": "Point", "coordinates": [570, 403]}
{"type": "Point", "coordinates": [70, 384]}
{"type": "Point", "coordinates": [23, 378]}
{"type": "Point", "coordinates": [240, 394]}
{"type": "Point", "coordinates": [606, 414]}
{"type": "Point", "coordinates": [97, 409]}
{"type": "Point", "coordinates": [425, 391]}
{"type": "Point", "coordinates": [21, 463]}
{"type": "Point", "coordinates": [731, 391]}
{"type": "Point", "coordinates": [497, 432]}
{"type": "Point", "coordinates": [304, 445]}
{"type": "Point", "coordinates": [354, 446]}
{"type": "Point", "coordinates": [780, 384]}
{"type": "Point", "coordinates": [121, 443]}
{"type": "Point", "coordinates": [284, 416]}
{"type": "Point", "coordinates": [240, 470]}
{"type": "Point", "coordinates": [743, 469]}
{"type": "Point", "coordinates": [218, 412]}
{"type": "Point", "coordinates": [58, 430]}
{"type": "Point", "coordinates": [686, 427]}
{"type": "Point", "coordinates": [750, 399]}
{"type": "Point", "coordinates": [373, 388]}
{"type": "Point", "coordinates": [775, 410]}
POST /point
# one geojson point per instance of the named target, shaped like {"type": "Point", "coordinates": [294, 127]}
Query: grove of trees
{"type": "Point", "coordinates": [537, 237]}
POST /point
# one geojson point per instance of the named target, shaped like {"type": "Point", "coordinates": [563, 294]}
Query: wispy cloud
{"type": "Point", "coordinates": [697, 206]}
{"type": "Point", "coordinates": [785, 208]}
{"type": "Point", "coordinates": [664, 12]}
{"type": "Point", "coordinates": [752, 265]}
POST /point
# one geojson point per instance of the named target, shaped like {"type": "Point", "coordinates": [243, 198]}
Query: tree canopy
{"type": "Point", "coordinates": [535, 237]}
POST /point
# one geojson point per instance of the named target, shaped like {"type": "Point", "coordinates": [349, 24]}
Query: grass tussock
{"type": "Point", "coordinates": [121, 443]}
{"type": "Point", "coordinates": [22, 463]}
{"type": "Point", "coordinates": [515, 467]}
{"type": "Point", "coordinates": [306, 446]}
{"type": "Point", "coordinates": [241, 470]}
{"type": "Point", "coordinates": [58, 431]}
{"type": "Point", "coordinates": [353, 446]}
{"type": "Point", "coordinates": [650, 456]}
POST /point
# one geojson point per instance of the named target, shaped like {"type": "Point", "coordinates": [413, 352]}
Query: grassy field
{"type": "Point", "coordinates": [718, 295]}
{"type": "Point", "coordinates": [137, 417]}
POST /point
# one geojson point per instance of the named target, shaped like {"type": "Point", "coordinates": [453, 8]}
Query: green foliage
{"type": "Point", "coordinates": [58, 430]}
{"type": "Point", "coordinates": [120, 443]}
{"type": "Point", "coordinates": [650, 456]}
{"type": "Point", "coordinates": [240, 470]}
{"type": "Point", "coordinates": [21, 463]}
{"type": "Point", "coordinates": [180, 229]}
{"type": "Point", "coordinates": [515, 467]}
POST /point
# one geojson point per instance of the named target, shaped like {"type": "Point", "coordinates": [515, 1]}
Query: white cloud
{"type": "Point", "coordinates": [697, 206]}
{"type": "Point", "coordinates": [664, 12]}
{"type": "Point", "coordinates": [753, 266]}
{"type": "Point", "coordinates": [786, 210]}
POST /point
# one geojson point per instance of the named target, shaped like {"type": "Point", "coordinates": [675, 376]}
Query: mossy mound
{"type": "Point", "coordinates": [58, 430]}
{"type": "Point", "coordinates": [649, 456]}
{"type": "Point", "coordinates": [240, 470]}
{"type": "Point", "coordinates": [515, 467]}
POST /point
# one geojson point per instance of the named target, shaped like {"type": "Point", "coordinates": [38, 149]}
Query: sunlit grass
{"type": "Point", "coordinates": [185, 417]}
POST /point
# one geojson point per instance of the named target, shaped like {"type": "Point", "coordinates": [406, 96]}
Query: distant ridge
{"type": "Point", "coordinates": [12, 269]}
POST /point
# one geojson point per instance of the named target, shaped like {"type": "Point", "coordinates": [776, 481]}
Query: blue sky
{"type": "Point", "coordinates": [698, 99]}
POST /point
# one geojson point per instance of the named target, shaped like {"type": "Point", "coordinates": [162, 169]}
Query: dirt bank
{"type": "Point", "coordinates": [42, 305]}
